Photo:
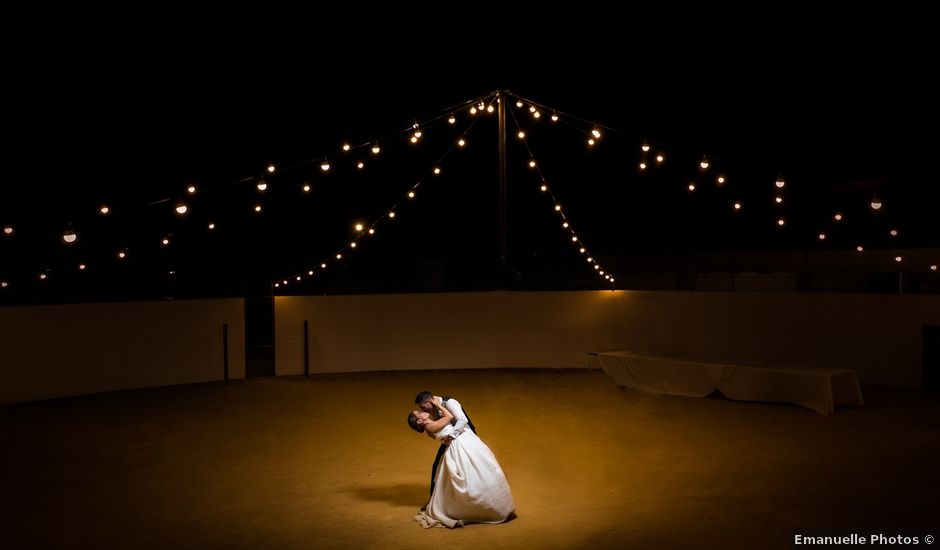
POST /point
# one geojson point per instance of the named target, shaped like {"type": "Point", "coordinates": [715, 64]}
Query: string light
{"type": "Point", "coordinates": [531, 164]}
{"type": "Point", "coordinates": [358, 227]}
{"type": "Point", "coordinates": [262, 185]}
{"type": "Point", "coordinates": [7, 230]}
{"type": "Point", "coordinates": [298, 278]}
{"type": "Point", "coordinates": [121, 254]}
{"type": "Point", "coordinates": [271, 168]}
{"type": "Point", "coordinates": [411, 194]}
{"type": "Point", "coordinates": [69, 236]}
{"type": "Point", "coordinates": [352, 244]}
{"type": "Point", "coordinates": [376, 149]}
{"type": "Point", "coordinates": [645, 147]}
{"type": "Point", "coordinates": [837, 217]}
{"type": "Point", "coordinates": [721, 180]}
{"type": "Point", "coordinates": [659, 158]}
{"type": "Point", "coordinates": [257, 208]}
{"type": "Point", "coordinates": [596, 133]}
{"type": "Point", "coordinates": [461, 142]}
{"type": "Point", "coordinates": [737, 206]}
{"type": "Point", "coordinates": [191, 189]}
{"type": "Point", "coordinates": [473, 110]}
{"type": "Point", "coordinates": [181, 208]}
{"type": "Point", "coordinates": [893, 232]}
{"type": "Point", "coordinates": [554, 117]}
{"type": "Point", "coordinates": [325, 165]}
{"type": "Point", "coordinates": [4, 284]}
{"type": "Point", "coordinates": [780, 183]}
{"type": "Point", "coordinates": [898, 259]}
{"type": "Point", "coordinates": [691, 187]}
{"type": "Point", "coordinates": [310, 273]}
{"type": "Point", "coordinates": [591, 141]}
{"type": "Point", "coordinates": [371, 231]}
{"type": "Point", "coordinates": [211, 226]}
{"type": "Point", "coordinates": [781, 222]}
{"type": "Point", "coordinates": [339, 256]}
{"type": "Point", "coordinates": [360, 165]}
{"type": "Point", "coordinates": [704, 163]}
{"type": "Point", "coordinates": [323, 266]}
{"type": "Point", "coordinates": [82, 267]}
{"type": "Point", "coordinates": [860, 248]}
{"type": "Point", "coordinates": [521, 134]}
{"type": "Point", "coordinates": [582, 250]}
{"type": "Point", "coordinates": [43, 276]}
{"type": "Point", "coordinates": [574, 238]}
{"type": "Point", "coordinates": [557, 208]}
{"type": "Point", "coordinates": [875, 203]}
{"type": "Point", "coordinates": [544, 188]}
{"type": "Point", "coordinates": [822, 236]}
{"type": "Point", "coordinates": [346, 147]}
{"type": "Point", "coordinates": [451, 119]}
{"type": "Point", "coordinates": [519, 104]}
{"type": "Point", "coordinates": [565, 225]}
{"type": "Point", "coordinates": [489, 109]}
{"type": "Point", "coordinates": [933, 267]}
{"type": "Point", "coordinates": [306, 188]}
{"type": "Point", "coordinates": [778, 199]}
{"type": "Point", "coordinates": [437, 171]}
{"type": "Point", "coordinates": [642, 166]}
{"type": "Point", "coordinates": [104, 210]}
{"type": "Point", "coordinates": [531, 108]}
{"type": "Point", "coordinates": [165, 241]}
{"type": "Point", "coordinates": [391, 214]}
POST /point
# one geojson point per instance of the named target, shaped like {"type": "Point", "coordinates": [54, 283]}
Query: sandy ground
{"type": "Point", "coordinates": [330, 463]}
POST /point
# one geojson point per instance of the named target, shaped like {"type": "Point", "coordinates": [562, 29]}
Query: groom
{"type": "Point", "coordinates": [426, 401]}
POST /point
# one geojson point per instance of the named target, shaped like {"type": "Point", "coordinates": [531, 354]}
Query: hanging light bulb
{"type": "Point", "coordinates": [737, 205]}
{"type": "Point", "coordinates": [521, 134]}
{"type": "Point", "coordinates": [277, 285]}
{"type": "Point", "coordinates": [781, 222]}
{"type": "Point", "coordinates": [191, 189]}
{"type": "Point", "coordinates": [181, 208]}
{"type": "Point", "coordinates": [704, 162]}
{"type": "Point", "coordinates": [582, 250]}
{"type": "Point", "coordinates": [778, 199]}
{"type": "Point", "coordinates": [271, 168]}
{"type": "Point", "coordinates": [323, 266]}
{"type": "Point", "coordinates": [257, 208]}
{"type": "Point", "coordinates": [822, 236]}
{"type": "Point", "coordinates": [898, 259]}
{"type": "Point", "coordinates": [165, 241]}
{"type": "Point", "coordinates": [876, 203]}
{"type": "Point", "coordinates": [591, 141]}
{"type": "Point", "coordinates": [358, 227]}
{"type": "Point", "coordinates": [360, 165]}
{"type": "Point", "coordinates": [554, 117]}
{"type": "Point", "coordinates": [104, 210]}
{"type": "Point", "coordinates": [310, 273]}
{"type": "Point", "coordinates": [531, 108]}
{"type": "Point", "coordinates": [780, 183]}
{"type": "Point", "coordinates": [691, 187]}
{"type": "Point", "coordinates": [860, 248]}
{"type": "Point", "coordinates": [411, 194]}
{"type": "Point", "coordinates": [473, 110]}
{"type": "Point", "coordinates": [596, 133]}
{"type": "Point", "coordinates": [489, 108]}
{"type": "Point", "coordinates": [544, 188]}
{"type": "Point", "coordinates": [371, 231]}
{"type": "Point", "coordinates": [557, 208]}
{"type": "Point", "coordinates": [519, 104]}
{"type": "Point", "coordinates": [4, 284]}
{"type": "Point", "coordinates": [461, 142]}
{"type": "Point", "coordinates": [574, 239]}
{"type": "Point", "coordinates": [893, 232]}
{"type": "Point", "coordinates": [933, 267]}
{"type": "Point", "coordinates": [122, 254]}
{"type": "Point", "coordinates": [262, 185]}
{"type": "Point", "coordinates": [375, 149]}
{"type": "Point", "coordinates": [8, 230]}
{"type": "Point", "coordinates": [565, 225]}
{"type": "Point", "coordinates": [414, 139]}
{"type": "Point", "coordinates": [660, 157]}
{"type": "Point", "coordinates": [418, 134]}
{"type": "Point", "coordinates": [211, 226]}
{"type": "Point", "coordinates": [645, 147]}
{"type": "Point", "coordinates": [353, 244]}
{"type": "Point", "coordinates": [346, 147]}
{"type": "Point", "coordinates": [437, 171]}
{"type": "Point", "coordinates": [721, 180]}
{"type": "Point", "coordinates": [837, 217]}
{"type": "Point", "coordinates": [451, 119]}
{"type": "Point", "coordinates": [531, 164]}
{"type": "Point", "coordinates": [325, 165]}
{"type": "Point", "coordinates": [69, 236]}
{"type": "Point", "coordinates": [642, 166]}
{"type": "Point", "coordinates": [297, 278]}
{"type": "Point", "coordinates": [391, 214]}
{"type": "Point", "coordinates": [82, 267]}
{"type": "Point", "coordinates": [601, 272]}
{"type": "Point", "coordinates": [339, 256]}
{"type": "Point", "coordinates": [43, 276]}
{"type": "Point", "coordinates": [306, 188]}
{"type": "Point", "coordinates": [596, 266]}
{"type": "Point", "coordinates": [537, 114]}
{"type": "Point", "coordinates": [589, 260]}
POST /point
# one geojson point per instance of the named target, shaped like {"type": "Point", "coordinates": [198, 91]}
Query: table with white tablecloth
{"type": "Point", "coordinates": [818, 388]}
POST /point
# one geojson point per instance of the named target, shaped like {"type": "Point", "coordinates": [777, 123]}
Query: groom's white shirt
{"type": "Point", "coordinates": [455, 409]}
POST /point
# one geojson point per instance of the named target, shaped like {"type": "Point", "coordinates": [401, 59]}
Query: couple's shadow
{"type": "Point", "coordinates": [400, 494]}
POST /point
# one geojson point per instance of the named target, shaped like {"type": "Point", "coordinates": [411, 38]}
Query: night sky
{"type": "Point", "coordinates": [131, 122]}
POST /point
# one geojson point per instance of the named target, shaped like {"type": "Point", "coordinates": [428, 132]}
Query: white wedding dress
{"type": "Point", "coordinates": [470, 486]}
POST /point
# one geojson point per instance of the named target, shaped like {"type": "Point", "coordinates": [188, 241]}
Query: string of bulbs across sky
{"type": "Point", "coordinates": [593, 132]}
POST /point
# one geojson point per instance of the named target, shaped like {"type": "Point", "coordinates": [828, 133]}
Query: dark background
{"type": "Point", "coordinates": [129, 116]}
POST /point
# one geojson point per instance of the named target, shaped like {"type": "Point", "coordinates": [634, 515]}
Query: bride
{"type": "Point", "coordinates": [470, 486]}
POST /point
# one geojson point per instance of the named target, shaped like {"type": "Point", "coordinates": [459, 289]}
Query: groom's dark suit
{"type": "Point", "coordinates": [454, 422]}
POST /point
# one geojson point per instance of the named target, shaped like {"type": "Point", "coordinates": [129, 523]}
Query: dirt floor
{"type": "Point", "coordinates": [329, 462]}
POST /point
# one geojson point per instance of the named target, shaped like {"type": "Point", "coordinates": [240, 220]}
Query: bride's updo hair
{"type": "Point", "coordinates": [413, 422]}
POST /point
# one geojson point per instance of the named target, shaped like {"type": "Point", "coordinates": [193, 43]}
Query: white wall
{"type": "Point", "coordinates": [877, 335]}
{"type": "Point", "coordinates": [61, 350]}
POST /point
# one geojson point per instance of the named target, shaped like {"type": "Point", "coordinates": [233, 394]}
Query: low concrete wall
{"type": "Point", "coordinates": [879, 336]}
{"type": "Point", "coordinates": [56, 351]}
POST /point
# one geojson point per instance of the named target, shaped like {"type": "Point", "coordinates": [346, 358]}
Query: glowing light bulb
{"type": "Point", "coordinates": [451, 119]}
{"type": "Point", "coordinates": [691, 187]}
{"type": "Point", "coordinates": [7, 229]}
{"type": "Point", "coordinates": [660, 157]}
{"type": "Point", "coordinates": [591, 141]}
{"type": "Point", "coordinates": [82, 267]}
{"type": "Point", "coordinates": [521, 134]}
{"type": "Point", "coordinates": [211, 225]}
{"type": "Point", "coordinates": [181, 208]}
{"type": "Point", "coordinates": [4, 284]}
{"type": "Point", "coordinates": [554, 117]}
{"type": "Point", "coordinates": [557, 208]}
{"type": "Point", "coordinates": [437, 171]}
{"type": "Point", "coordinates": [536, 114]}
{"type": "Point", "coordinates": [574, 239]}
{"type": "Point", "coordinates": [778, 200]}
{"type": "Point", "coordinates": [601, 272]}
{"type": "Point", "coordinates": [376, 149]}
{"type": "Point", "coordinates": [519, 104]}
{"type": "Point", "coordinates": [933, 267]}
{"type": "Point", "coordinates": [582, 250]}
{"type": "Point", "coordinates": [704, 163]}
{"type": "Point", "coordinates": [898, 258]}
{"type": "Point", "coordinates": [122, 254]}
{"type": "Point", "coordinates": [411, 194]}
{"type": "Point", "coordinates": [781, 222]}
{"type": "Point", "coordinates": [837, 217]}
{"type": "Point", "coordinates": [297, 278]}
{"type": "Point", "coordinates": [322, 266]}
{"type": "Point", "coordinates": [531, 164]}
{"type": "Point", "coordinates": [418, 133]}
{"type": "Point", "coordinates": [325, 165]}
{"type": "Point", "coordinates": [461, 142]}
{"type": "Point", "coordinates": [645, 147]}
{"type": "Point", "coordinates": [371, 231]}
{"type": "Point", "coordinates": [262, 185]}
{"type": "Point", "coordinates": [473, 110]}
{"type": "Point", "coordinates": [257, 208]}
{"type": "Point", "coordinates": [737, 206]}
{"type": "Point", "coordinates": [860, 248]}
{"type": "Point", "coordinates": [531, 108]}
{"type": "Point", "coordinates": [876, 203]}
{"type": "Point", "coordinates": [43, 276]}
{"type": "Point", "coordinates": [306, 188]}
{"type": "Point", "coordinates": [565, 225]}
{"type": "Point", "coordinates": [277, 285]}
{"type": "Point", "coordinates": [69, 236]}
{"type": "Point", "coordinates": [391, 214]}
{"type": "Point", "coordinates": [589, 260]}
{"type": "Point", "coordinates": [284, 282]}
{"type": "Point", "coordinates": [191, 189]}
{"type": "Point", "coordinates": [596, 133]}
{"type": "Point", "coordinates": [352, 244]}
{"type": "Point", "coordinates": [165, 242]}
{"type": "Point", "coordinates": [339, 256]}
{"type": "Point", "coordinates": [271, 168]}
{"type": "Point", "coordinates": [360, 165]}
{"type": "Point", "coordinates": [489, 109]}
{"type": "Point", "coordinates": [346, 147]}
{"type": "Point", "coordinates": [310, 273]}
{"type": "Point", "coordinates": [104, 210]}
{"type": "Point", "coordinates": [414, 139]}
{"type": "Point", "coordinates": [642, 166]}
{"type": "Point", "coordinates": [780, 183]}
{"type": "Point", "coordinates": [893, 232]}
{"type": "Point", "coordinates": [720, 180]}
{"type": "Point", "coordinates": [358, 227]}
{"type": "Point", "coordinates": [596, 266]}
{"type": "Point", "coordinates": [822, 236]}
{"type": "Point", "coordinates": [544, 188]}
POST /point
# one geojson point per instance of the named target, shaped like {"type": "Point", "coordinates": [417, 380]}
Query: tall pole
{"type": "Point", "coordinates": [503, 97]}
